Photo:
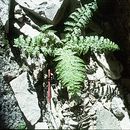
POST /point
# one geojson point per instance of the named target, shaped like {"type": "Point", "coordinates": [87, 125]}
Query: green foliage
{"type": "Point", "coordinates": [21, 126]}
{"type": "Point", "coordinates": [45, 42]}
{"type": "Point", "coordinates": [70, 70]}
{"type": "Point", "coordinates": [80, 18]}
{"type": "Point", "coordinates": [66, 52]}
{"type": "Point", "coordinates": [81, 44]}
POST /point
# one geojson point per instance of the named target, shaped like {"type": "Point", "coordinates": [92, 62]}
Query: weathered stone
{"type": "Point", "coordinates": [72, 122]}
{"type": "Point", "coordinates": [44, 8]}
{"type": "Point", "coordinates": [26, 97]}
{"type": "Point", "coordinates": [110, 65]}
{"type": "Point", "coordinates": [41, 125]}
{"type": "Point", "coordinates": [8, 76]}
{"type": "Point", "coordinates": [65, 106]}
{"type": "Point", "coordinates": [29, 31]}
{"type": "Point", "coordinates": [99, 74]}
{"type": "Point", "coordinates": [86, 101]}
{"type": "Point", "coordinates": [94, 71]}
{"type": "Point", "coordinates": [106, 120]}
{"type": "Point", "coordinates": [125, 122]}
{"type": "Point", "coordinates": [4, 11]}
{"type": "Point", "coordinates": [117, 106]}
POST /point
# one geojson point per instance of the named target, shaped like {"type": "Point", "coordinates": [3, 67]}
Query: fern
{"type": "Point", "coordinates": [97, 44]}
{"type": "Point", "coordinates": [70, 70]}
{"type": "Point", "coordinates": [80, 18]}
{"type": "Point", "coordinates": [70, 67]}
{"type": "Point", "coordinates": [41, 43]}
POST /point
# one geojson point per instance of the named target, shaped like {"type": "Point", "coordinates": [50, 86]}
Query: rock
{"type": "Point", "coordinates": [117, 106]}
{"type": "Point", "coordinates": [44, 8]}
{"type": "Point", "coordinates": [41, 125]}
{"type": "Point", "coordinates": [8, 76]}
{"type": "Point", "coordinates": [72, 122]}
{"type": "Point", "coordinates": [73, 103]}
{"type": "Point", "coordinates": [94, 71]}
{"type": "Point", "coordinates": [26, 98]}
{"type": "Point", "coordinates": [65, 106]}
{"type": "Point", "coordinates": [4, 11]}
{"type": "Point", "coordinates": [29, 31]}
{"type": "Point", "coordinates": [106, 120]}
{"type": "Point", "coordinates": [110, 65]}
{"type": "Point", "coordinates": [86, 101]}
{"type": "Point", "coordinates": [125, 122]}
{"type": "Point", "coordinates": [99, 74]}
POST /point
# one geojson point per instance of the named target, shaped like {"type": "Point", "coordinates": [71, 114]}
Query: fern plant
{"type": "Point", "coordinates": [66, 52]}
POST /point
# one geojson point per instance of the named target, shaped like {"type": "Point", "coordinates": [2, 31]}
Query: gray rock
{"type": "Point", "coordinates": [99, 74]}
{"type": "Point", "coordinates": [41, 125]}
{"type": "Point", "coordinates": [110, 65]}
{"type": "Point", "coordinates": [86, 101]}
{"type": "Point", "coordinates": [26, 98]}
{"type": "Point", "coordinates": [125, 122]}
{"type": "Point", "coordinates": [106, 120]}
{"type": "Point", "coordinates": [117, 106]}
{"type": "Point", "coordinates": [44, 8]}
{"type": "Point", "coordinates": [4, 11]}
{"type": "Point", "coordinates": [29, 31]}
{"type": "Point", "coordinates": [73, 123]}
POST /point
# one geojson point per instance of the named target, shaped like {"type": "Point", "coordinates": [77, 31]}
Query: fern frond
{"type": "Point", "coordinates": [81, 44]}
{"type": "Point", "coordinates": [80, 18]}
{"type": "Point", "coordinates": [45, 42]}
{"type": "Point", "coordinates": [101, 44]}
{"type": "Point", "coordinates": [70, 70]}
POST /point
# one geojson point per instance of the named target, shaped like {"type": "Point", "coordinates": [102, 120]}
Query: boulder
{"type": "Point", "coordinates": [94, 71]}
{"type": "Point", "coordinates": [41, 125]}
{"type": "Point", "coordinates": [106, 120]}
{"type": "Point", "coordinates": [44, 8]}
{"type": "Point", "coordinates": [125, 122]}
{"type": "Point", "coordinates": [117, 107]}
{"type": "Point", "coordinates": [26, 97]}
{"type": "Point", "coordinates": [111, 66]}
{"type": "Point", "coordinates": [4, 11]}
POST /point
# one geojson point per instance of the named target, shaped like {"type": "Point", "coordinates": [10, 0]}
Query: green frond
{"type": "Point", "coordinates": [45, 42]}
{"type": "Point", "coordinates": [81, 44]}
{"type": "Point", "coordinates": [78, 45]}
{"type": "Point", "coordinates": [70, 70]}
{"type": "Point", "coordinates": [101, 44]}
{"type": "Point", "coordinates": [80, 18]}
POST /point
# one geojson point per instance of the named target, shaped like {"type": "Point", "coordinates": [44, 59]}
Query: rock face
{"type": "Point", "coordinates": [110, 65]}
{"type": "Point", "coordinates": [117, 107]}
{"type": "Point", "coordinates": [4, 11]}
{"type": "Point", "coordinates": [27, 99]}
{"type": "Point", "coordinates": [10, 114]}
{"type": "Point", "coordinates": [106, 120]}
{"type": "Point", "coordinates": [42, 7]}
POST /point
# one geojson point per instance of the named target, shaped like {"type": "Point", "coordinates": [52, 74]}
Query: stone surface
{"type": "Point", "coordinates": [10, 114]}
{"type": "Point", "coordinates": [29, 31]}
{"type": "Point", "coordinates": [125, 122]}
{"type": "Point", "coordinates": [26, 98]}
{"type": "Point", "coordinates": [117, 106]}
{"type": "Point", "coordinates": [4, 11]}
{"type": "Point", "coordinates": [110, 65]}
{"type": "Point", "coordinates": [94, 71]}
{"type": "Point", "coordinates": [41, 125]}
{"type": "Point", "coordinates": [43, 7]}
{"type": "Point", "coordinates": [106, 120]}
